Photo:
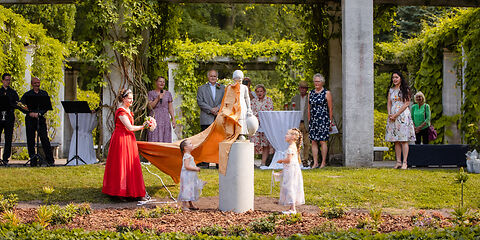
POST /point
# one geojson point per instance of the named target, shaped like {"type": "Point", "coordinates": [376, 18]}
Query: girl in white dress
{"type": "Point", "coordinates": [291, 191]}
{"type": "Point", "coordinates": [190, 186]}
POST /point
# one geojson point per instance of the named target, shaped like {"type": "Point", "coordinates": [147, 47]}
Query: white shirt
{"type": "Point", "coordinates": [212, 88]}
{"type": "Point", "coordinates": [302, 105]}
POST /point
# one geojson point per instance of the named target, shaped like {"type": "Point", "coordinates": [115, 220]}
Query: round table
{"type": "Point", "coordinates": [86, 123]}
{"type": "Point", "coordinates": [275, 125]}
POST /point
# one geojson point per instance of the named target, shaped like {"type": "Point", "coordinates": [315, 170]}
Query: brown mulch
{"type": "Point", "coordinates": [110, 216]}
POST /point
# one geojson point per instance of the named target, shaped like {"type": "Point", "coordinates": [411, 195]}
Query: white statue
{"type": "Point", "coordinates": [246, 110]}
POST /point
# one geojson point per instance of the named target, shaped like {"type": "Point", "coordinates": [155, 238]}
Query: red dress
{"type": "Point", "coordinates": [123, 172]}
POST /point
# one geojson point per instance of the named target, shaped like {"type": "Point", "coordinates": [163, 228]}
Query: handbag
{"type": "Point", "coordinates": [432, 133]}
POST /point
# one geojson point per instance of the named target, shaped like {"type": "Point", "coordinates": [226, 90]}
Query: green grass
{"type": "Point", "coordinates": [355, 187]}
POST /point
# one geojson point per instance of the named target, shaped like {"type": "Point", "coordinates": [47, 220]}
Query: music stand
{"type": "Point", "coordinates": [37, 104]}
{"type": "Point", "coordinates": [76, 107]}
{"type": "Point", "coordinates": [4, 107]}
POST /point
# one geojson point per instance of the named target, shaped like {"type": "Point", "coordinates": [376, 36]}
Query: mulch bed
{"type": "Point", "coordinates": [192, 221]}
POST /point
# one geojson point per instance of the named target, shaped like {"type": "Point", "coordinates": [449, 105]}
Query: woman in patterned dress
{"type": "Point", "coordinates": [400, 129]}
{"type": "Point", "coordinates": [261, 103]}
{"type": "Point", "coordinates": [160, 105]}
{"type": "Point", "coordinates": [320, 118]}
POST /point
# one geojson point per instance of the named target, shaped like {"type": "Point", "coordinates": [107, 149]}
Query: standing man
{"type": "Point", "coordinates": [7, 118]}
{"type": "Point", "coordinates": [209, 99]}
{"type": "Point", "coordinates": [301, 104]}
{"type": "Point", "coordinates": [36, 122]}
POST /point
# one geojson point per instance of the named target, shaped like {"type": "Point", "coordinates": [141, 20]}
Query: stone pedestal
{"type": "Point", "coordinates": [236, 191]}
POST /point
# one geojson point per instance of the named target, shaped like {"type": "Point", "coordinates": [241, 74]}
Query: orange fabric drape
{"type": "Point", "coordinates": [167, 156]}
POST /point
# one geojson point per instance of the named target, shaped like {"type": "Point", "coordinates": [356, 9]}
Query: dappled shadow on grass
{"type": "Point", "coordinates": [75, 195]}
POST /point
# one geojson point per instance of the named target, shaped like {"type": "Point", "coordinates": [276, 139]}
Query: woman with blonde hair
{"type": "Point", "coordinates": [421, 115]}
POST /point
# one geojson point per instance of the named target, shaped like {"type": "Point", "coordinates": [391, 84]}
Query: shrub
{"type": "Point", "coordinates": [334, 210]}
{"type": "Point", "coordinates": [157, 212]}
{"type": "Point", "coordinates": [238, 231]}
{"type": "Point", "coordinates": [291, 218]}
{"type": "Point", "coordinates": [8, 203]}
{"type": "Point", "coordinates": [214, 230]}
{"type": "Point", "coordinates": [44, 215]}
{"type": "Point", "coordinates": [327, 226]}
{"type": "Point", "coordinates": [11, 218]}
{"type": "Point", "coordinates": [262, 225]}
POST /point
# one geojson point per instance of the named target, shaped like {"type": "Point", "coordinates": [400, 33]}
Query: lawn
{"type": "Point", "coordinates": [354, 187]}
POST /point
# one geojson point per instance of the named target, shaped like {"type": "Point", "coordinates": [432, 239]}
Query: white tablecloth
{"type": "Point", "coordinates": [86, 123]}
{"type": "Point", "coordinates": [275, 125]}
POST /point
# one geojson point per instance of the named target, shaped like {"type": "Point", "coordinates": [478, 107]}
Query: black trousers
{"type": "Point", "coordinates": [7, 128]}
{"type": "Point", "coordinates": [422, 136]}
{"type": "Point", "coordinates": [41, 129]}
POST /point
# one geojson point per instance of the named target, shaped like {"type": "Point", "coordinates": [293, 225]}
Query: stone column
{"type": "Point", "coordinates": [61, 116]}
{"type": "Point", "coordinates": [71, 76]}
{"type": "Point", "coordinates": [451, 96]}
{"type": "Point", "coordinates": [357, 82]}
{"type": "Point", "coordinates": [335, 79]}
{"type": "Point", "coordinates": [177, 99]}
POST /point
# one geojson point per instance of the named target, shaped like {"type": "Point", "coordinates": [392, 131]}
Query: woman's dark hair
{"type": "Point", "coordinates": [160, 77]}
{"type": "Point", "coordinates": [182, 145]}
{"type": "Point", "coordinates": [123, 94]}
{"type": "Point", "coordinates": [404, 88]}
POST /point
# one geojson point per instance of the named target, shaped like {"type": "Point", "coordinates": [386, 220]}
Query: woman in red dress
{"type": "Point", "coordinates": [123, 173]}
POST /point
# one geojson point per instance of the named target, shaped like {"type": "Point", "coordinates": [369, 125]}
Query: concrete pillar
{"type": "Point", "coordinates": [177, 99]}
{"type": "Point", "coordinates": [71, 76]}
{"type": "Point", "coordinates": [335, 78]}
{"type": "Point", "coordinates": [236, 190]}
{"type": "Point", "coordinates": [451, 96]}
{"type": "Point", "coordinates": [57, 104]}
{"type": "Point", "coordinates": [357, 82]}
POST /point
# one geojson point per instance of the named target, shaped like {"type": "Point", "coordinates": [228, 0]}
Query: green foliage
{"type": "Point", "coordinates": [457, 31]}
{"type": "Point", "coordinates": [289, 219]}
{"type": "Point", "coordinates": [289, 65]}
{"type": "Point", "coordinates": [327, 226]}
{"type": "Point", "coordinates": [44, 215]}
{"type": "Point", "coordinates": [11, 218]}
{"type": "Point", "coordinates": [214, 230]}
{"type": "Point", "coordinates": [92, 98]}
{"type": "Point", "coordinates": [380, 125]}
{"type": "Point", "coordinates": [157, 212]}
{"type": "Point", "coordinates": [57, 19]}
{"type": "Point", "coordinates": [263, 225]}
{"type": "Point", "coordinates": [472, 136]}
{"type": "Point", "coordinates": [8, 203]}
{"type": "Point", "coordinates": [22, 231]}
{"type": "Point", "coordinates": [334, 210]}
{"type": "Point", "coordinates": [226, 23]}
{"type": "Point", "coordinates": [238, 230]}
{"type": "Point", "coordinates": [48, 56]}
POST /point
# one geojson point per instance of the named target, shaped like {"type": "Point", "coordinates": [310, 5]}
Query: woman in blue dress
{"type": "Point", "coordinates": [320, 118]}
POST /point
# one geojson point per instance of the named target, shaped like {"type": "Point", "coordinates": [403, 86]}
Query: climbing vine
{"type": "Point", "coordinates": [424, 56]}
{"type": "Point", "coordinates": [287, 55]}
{"type": "Point", "coordinates": [16, 35]}
{"type": "Point", "coordinates": [131, 38]}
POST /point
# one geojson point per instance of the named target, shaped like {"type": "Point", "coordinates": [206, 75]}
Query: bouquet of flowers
{"type": "Point", "coordinates": [150, 123]}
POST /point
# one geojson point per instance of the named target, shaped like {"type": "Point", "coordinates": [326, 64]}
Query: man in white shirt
{"type": "Point", "coordinates": [300, 103]}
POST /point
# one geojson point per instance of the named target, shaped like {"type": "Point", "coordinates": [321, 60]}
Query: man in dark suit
{"type": "Point", "coordinates": [7, 118]}
{"type": "Point", "coordinates": [36, 122]}
{"type": "Point", "coordinates": [300, 103]}
{"type": "Point", "coordinates": [209, 99]}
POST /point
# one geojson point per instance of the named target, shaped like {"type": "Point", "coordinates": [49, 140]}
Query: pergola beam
{"type": "Point", "coordinates": [451, 3]}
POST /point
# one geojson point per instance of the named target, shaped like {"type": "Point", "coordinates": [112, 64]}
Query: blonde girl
{"type": "Point", "coordinates": [291, 190]}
